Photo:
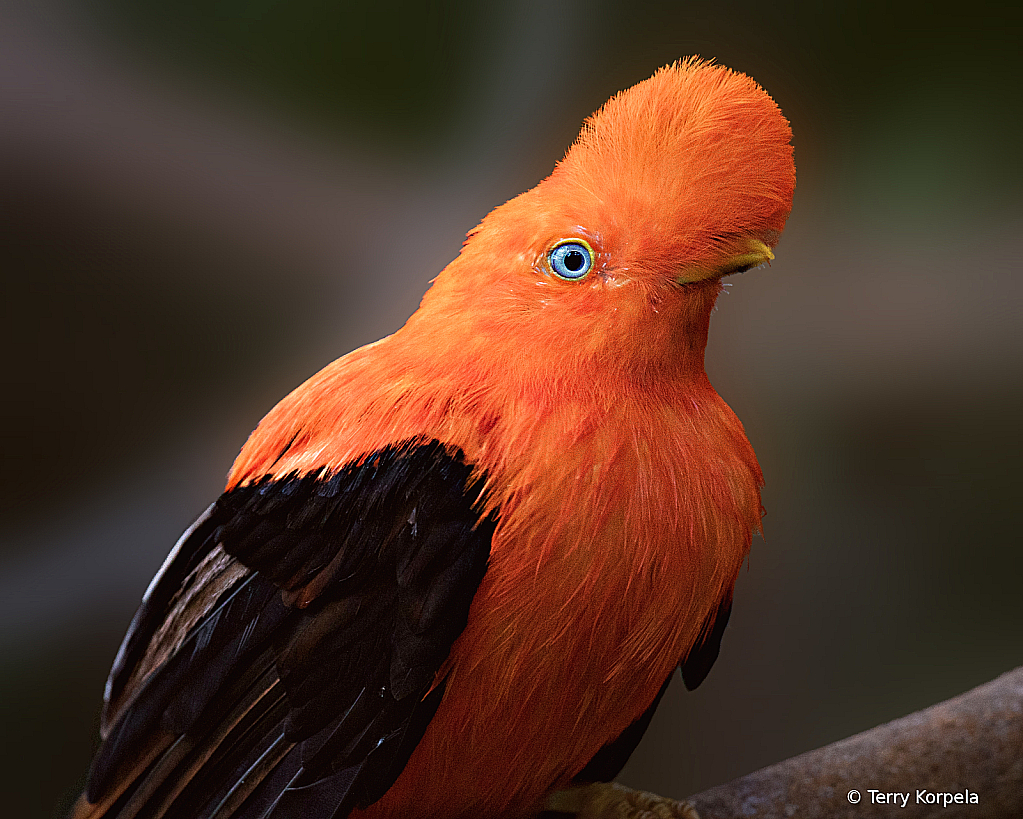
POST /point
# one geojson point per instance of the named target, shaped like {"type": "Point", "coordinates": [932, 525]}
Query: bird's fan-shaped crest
{"type": "Point", "coordinates": [696, 149]}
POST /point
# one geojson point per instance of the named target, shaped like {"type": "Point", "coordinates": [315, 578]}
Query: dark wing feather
{"type": "Point", "coordinates": [283, 662]}
{"type": "Point", "coordinates": [190, 550]}
{"type": "Point", "coordinates": [697, 664]}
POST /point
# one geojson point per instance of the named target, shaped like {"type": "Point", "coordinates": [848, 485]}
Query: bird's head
{"type": "Point", "coordinates": [614, 260]}
{"type": "Point", "coordinates": [594, 286]}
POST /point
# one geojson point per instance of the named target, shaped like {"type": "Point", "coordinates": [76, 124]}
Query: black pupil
{"type": "Point", "coordinates": [574, 260]}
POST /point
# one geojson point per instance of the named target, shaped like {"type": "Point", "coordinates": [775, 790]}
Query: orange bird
{"type": "Point", "coordinates": [453, 571]}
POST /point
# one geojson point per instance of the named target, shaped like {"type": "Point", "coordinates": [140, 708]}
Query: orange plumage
{"type": "Point", "coordinates": [624, 489]}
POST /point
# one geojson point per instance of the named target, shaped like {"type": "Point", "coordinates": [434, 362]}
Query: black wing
{"type": "Point", "coordinates": [282, 663]}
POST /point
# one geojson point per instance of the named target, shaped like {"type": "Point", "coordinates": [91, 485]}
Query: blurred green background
{"type": "Point", "coordinates": [204, 203]}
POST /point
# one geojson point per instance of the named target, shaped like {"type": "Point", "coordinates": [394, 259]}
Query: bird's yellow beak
{"type": "Point", "coordinates": [748, 253]}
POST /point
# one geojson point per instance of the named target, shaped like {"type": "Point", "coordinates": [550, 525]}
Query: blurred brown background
{"type": "Point", "coordinates": [203, 203]}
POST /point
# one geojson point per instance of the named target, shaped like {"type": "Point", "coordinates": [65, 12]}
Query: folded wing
{"type": "Point", "coordinates": [284, 661]}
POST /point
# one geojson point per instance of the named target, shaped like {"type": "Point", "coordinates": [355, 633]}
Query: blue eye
{"type": "Point", "coordinates": [572, 259]}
